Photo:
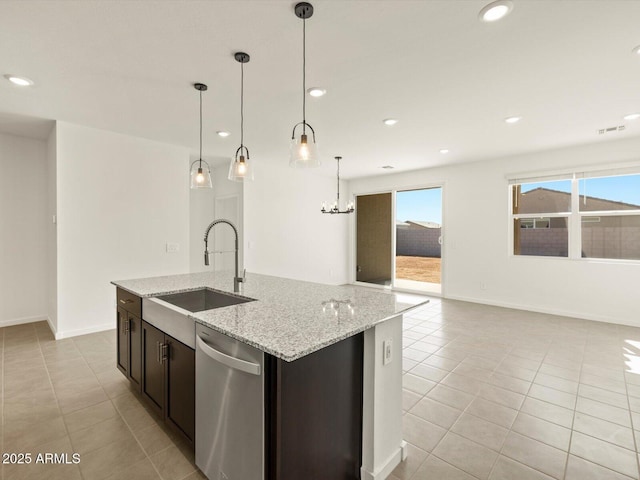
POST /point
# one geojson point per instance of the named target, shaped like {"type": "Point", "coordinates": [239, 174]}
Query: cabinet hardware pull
{"type": "Point", "coordinates": [126, 326]}
{"type": "Point", "coordinates": [165, 352]}
{"type": "Point", "coordinates": [158, 352]}
{"type": "Point", "coordinates": [124, 302]}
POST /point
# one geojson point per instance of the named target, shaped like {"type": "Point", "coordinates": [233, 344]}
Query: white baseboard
{"type": "Point", "coordinates": [539, 309]}
{"type": "Point", "coordinates": [84, 331]}
{"type": "Point", "coordinates": [21, 321]}
{"type": "Point", "coordinates": [385, 470]}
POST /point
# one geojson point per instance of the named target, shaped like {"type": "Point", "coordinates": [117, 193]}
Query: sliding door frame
{"type": "Point", "coordinates": [354, 237]}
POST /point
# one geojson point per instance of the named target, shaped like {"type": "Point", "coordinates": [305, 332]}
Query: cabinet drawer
{"type": "Point", "coordinates": [130, 302]}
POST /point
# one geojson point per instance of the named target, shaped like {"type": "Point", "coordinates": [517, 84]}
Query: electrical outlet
{"type": "Point", "coordinates": [173, 247]}
{"type": "Point", "coordinates": [387, 351]}
{"type": "Point", "coordinates": [483, 285]}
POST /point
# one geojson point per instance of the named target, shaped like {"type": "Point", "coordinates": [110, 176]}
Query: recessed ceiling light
{"type": "Point", "coordinates": [316, 91]}
{"type": "Point", "coordinates": [223, 133]}
{"type": "Point", "coordinates": [388, 167]}
{"type": "Point", "coordinates": [20, 81]}
{"type": "Point", "coordinates": [390, 121]}
{"type": "Point", "coordinates": [512, 120]}
{"type": "Point", "coordinates": [495, 10]}
{"type": "Point", "coordinates": [632, 116]}
{"type": "Point", "coordinates": [636, 50]}
{"type": "Point", "coordinates": [444, 151]}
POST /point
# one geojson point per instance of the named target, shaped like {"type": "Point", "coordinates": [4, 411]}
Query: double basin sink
{"type": "Point", "coordinates": [170, 313]}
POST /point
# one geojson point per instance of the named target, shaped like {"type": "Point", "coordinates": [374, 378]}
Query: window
{"type": "Point", "coordinates": [546, 234]}
{"type": "Point", "coordinates": [582, 215]}
{"type": "Point", "coordinates": [616, 232]}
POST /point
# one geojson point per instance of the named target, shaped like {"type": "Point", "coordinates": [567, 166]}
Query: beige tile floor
{"type": "Point", "coordinates": [67, 396]}
{"type": "Point", "coordinates": [499, 394]}
{"type": "Point", "coordinates": [489, 393]}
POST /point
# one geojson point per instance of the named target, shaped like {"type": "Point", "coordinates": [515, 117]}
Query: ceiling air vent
{"type": "Point", "coordinates": [619, 128]}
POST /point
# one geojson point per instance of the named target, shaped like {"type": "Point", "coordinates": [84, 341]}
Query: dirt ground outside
{"type": "Point", "coordinates": [419, 269]}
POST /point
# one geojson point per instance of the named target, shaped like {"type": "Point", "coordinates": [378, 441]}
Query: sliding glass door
{"type": "Point", "coordinates": [399, 239]}
{"type": "Point", "coordinates": [374, 260]}
{"type": "Point", "coordinates": [418, 244]}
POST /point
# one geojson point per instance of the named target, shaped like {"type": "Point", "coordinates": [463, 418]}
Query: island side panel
{"type": "Point", "coordinates": [383, 447]}
{"type": "Point", "coordinates": [314, 414]}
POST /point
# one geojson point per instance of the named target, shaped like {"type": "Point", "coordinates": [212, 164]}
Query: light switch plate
{"type": "Point", "coordinates": [387, 351]}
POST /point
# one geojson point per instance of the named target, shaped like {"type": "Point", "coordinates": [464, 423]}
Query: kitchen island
{"type": "Point", "coordinates": [332, 400]}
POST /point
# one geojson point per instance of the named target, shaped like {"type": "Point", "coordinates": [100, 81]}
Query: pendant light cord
{"type": "Point", "coordinates": [241, 105]}
{"type": "Point", "coordinates": [200, 128]}
{"type": "Point", "coordinates": [304, 74]}
{"type": "Point", "coordinates": [338, 199]}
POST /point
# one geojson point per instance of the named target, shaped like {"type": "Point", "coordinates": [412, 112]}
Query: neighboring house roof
{"type": "Point", "coordinates": [402, 224]}
{"type": "Point", "coordinates": [547, 200]}
{"type": "Point", "coordinates": [423, 224]}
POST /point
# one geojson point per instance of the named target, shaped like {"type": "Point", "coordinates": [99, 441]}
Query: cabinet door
{"type": "Point", "coordinates": [153, 367]}
{"type": "Point", "coordinates": [123, 341]}
{"type": "Point", "coordinates": [180, 407]}
{"type": "Point", "coordinates": [135, 350]}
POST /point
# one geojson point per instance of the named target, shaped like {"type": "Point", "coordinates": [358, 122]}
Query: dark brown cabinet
{"type": "Point", "coordinates": [128, 326]}
{"type": "Point", "coordinates": [313, 423]}
{"type": "Point", "coordinates": [168, 379]}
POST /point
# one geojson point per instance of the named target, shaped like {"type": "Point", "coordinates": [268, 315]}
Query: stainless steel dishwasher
{"type": "Point", "coordinates": [229, 407]}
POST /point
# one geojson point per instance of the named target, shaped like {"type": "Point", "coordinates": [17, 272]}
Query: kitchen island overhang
{"type": "Point", "coordinates": [291, 320]}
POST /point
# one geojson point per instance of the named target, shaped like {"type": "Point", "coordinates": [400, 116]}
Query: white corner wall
{"type": "Point", "coordinates": [23, 199]}
{"type": "Point", "coordinates": [476, 246]}
{"type": "Point", "coordinates": [52, 231]}
{"type": "Point", "coordinates": [120, 199]}
{"type": "Point", "coordinates": [285, 233]}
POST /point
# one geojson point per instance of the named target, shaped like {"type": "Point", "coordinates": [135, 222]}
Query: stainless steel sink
{"type": "Point", "coordinates": [203, 299]}
{"type": "Point", "coordinates": [170, 313]}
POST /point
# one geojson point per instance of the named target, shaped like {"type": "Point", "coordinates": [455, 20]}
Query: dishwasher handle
{"type": "Point", "coordinates": [229, 361]}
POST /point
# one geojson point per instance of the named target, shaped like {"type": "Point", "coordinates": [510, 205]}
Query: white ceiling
{"type": "Point", "coordinates": [127, 66]}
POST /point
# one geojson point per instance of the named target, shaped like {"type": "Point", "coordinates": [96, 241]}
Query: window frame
{"type": "Point", "coordinates": [574, 216]}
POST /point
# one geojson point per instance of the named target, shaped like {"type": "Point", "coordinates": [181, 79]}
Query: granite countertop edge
{"type": "Point", "coordinates": [278, 298]}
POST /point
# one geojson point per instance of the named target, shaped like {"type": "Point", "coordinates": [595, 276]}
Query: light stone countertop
{"type": "Point", "coordinates": [291, 318]}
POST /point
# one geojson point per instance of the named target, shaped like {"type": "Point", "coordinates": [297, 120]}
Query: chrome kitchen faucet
{"type": "Point", "coordinates": [237, 280]}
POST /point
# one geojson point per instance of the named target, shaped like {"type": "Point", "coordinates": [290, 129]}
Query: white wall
{"type": "Point", "coordinates": [52, 231]}
{"type": "Point", "coordinates": [120, 199]}
{"type": "Point", "coordinates": [22, 229]}
{"type": "Point", "coordinates": [285, 233]}
{"type": "Point", "coordinates": [476, 246]}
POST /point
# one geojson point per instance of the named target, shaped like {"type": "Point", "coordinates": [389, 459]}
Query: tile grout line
{"type": "Point", "coordinates": [575, 406]}
{"type": "Point", "coordinates": [633, 431]}
{"type": "Point", "coordinates": [46, 368]}
{"type": "Point", "coordinates": [121, 417]}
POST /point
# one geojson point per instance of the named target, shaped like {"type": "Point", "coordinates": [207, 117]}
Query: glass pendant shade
{"type": "Point", "coordinates": [240, 169]}
{"type": "Point", "coordinates": [304, 152]}
{"type": "Point", "coordinates": [200, 175]}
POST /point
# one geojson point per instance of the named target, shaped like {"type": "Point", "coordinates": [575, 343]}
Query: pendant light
{"type": "Point", "coordinates": [335, 206]}
{"type": "Point", "coordinates": [240, 170]}
{"type": "Point", "coordinates": [304, 149]}
{"type": "Point", "coordinates": [200, 175]}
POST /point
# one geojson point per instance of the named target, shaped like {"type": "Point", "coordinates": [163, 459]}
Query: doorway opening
{"type": "Point", "coordinates": [418, 246]}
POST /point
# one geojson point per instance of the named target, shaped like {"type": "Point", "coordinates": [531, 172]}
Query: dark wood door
{"type": "Point", "coordinates": [181, 368]}
{"type": "Point", "coordinates": [135, 350]}
{"type": "Point", "coordinates": [153, 367]}
{"type": "Point", "coordinates": [123, 341]}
